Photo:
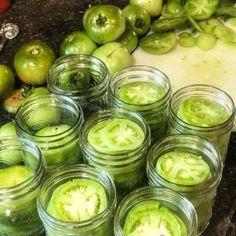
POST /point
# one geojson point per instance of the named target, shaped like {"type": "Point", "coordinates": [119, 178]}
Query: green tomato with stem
{"type": "Point", "coordinates": [104, 23]}
{"type": "Point", "coordinates": [32, 61]}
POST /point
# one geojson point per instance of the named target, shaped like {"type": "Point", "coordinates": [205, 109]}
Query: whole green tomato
{"type": "Point", "coordinates": [32, 62]}
{"type": "Point", "coordinates": [115, 56]}
{"type": "Point", "coordinates": [153, 7]}
{"type": "Point", "coordinates": [7, 81]}
{"type": "Point", "coordinates": [129, 39]}
{"type": "Point", "coordinates": [104, 23]}
{"type": "Point", "coordinates": [138, 18]}
{"type": "Point", "coordinates": [77, 43]}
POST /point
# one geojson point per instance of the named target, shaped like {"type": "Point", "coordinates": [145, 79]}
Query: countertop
{"type": "Point", "coordinates": [51, 21]}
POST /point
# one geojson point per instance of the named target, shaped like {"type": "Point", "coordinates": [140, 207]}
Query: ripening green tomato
{"type": "Point", "coordinates": [115, 56]}
{"type": "Point", "coordinates": [104, 23]}
{"type": "Point", "coordinates": [153, 7]}
{"type": "Point", "coordinates": [7, 81]}
{"type": "Point", "coordinates": [138, 18]}
{"type": "Point", "coordinates": [77, 43]}
{"type": "Point", "coordinates": [18, 96]}
{"type": "Point", "coordinates": [32, 62]}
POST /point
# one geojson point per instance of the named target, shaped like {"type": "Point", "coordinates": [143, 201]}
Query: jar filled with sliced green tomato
{"type": "Point", "coordinates": [81, 77]}
{"type": "Point", "coordinates": [205, 111]}
{"type": "Point", "coordinates": [54, 123]}
{"type": "Point", "coordinates": [190, 165]}
{"type": "Point", "coordinates": [21, 173]}
{"type": "Point", "coordinates": [150, 211]}
{"type": "Point", "coordinates": [117, 141]}
{"type": "Point", "coordinates": [143, 89]}
{"type": "Point", "coordinates": [77, 200]}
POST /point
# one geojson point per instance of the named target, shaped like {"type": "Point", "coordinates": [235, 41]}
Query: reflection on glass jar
{"type": "Point", "coordinates": [77, 200]}
{"type": "Point", "coordinates": [117, 141]}
{"type": "Point", "coordinates": [155, 211]}
{"type": "Point", "coordinates": [189, 165]}
{"type": "Point", "coordinates": [143, 89]}
{"type": "Point", "coordinates": [205, 111]}
{"type": "Point", "coordinates": [81, 77]}
{"type": "Point", "coordinates": [54, 123]}
{"type": "Point", "coordinates": [21, 173]}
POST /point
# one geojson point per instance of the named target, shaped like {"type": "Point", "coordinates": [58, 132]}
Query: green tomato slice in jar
{"type": "Point", "coordinates": [202, 112]}
{"type": "Point", "coordinates": [77, 200]}
{"type": "Point", "coordinates": [114, 136]}
{"type": "Point", "coordinates": [149, 218]}
{"type": "Point", "coordinates": [183, 168]}
{"type": "Point", "coordinates": [14, 175]}
{"type": "Point", "coordinates": [141, 93]}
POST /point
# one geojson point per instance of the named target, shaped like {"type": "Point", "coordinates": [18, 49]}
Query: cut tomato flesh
{"type": "Point", "coordinates": [183, 168]}
{"type": "Point", "coordinates": [115, 136]}
{"type": "Point", "coordinates": [141, 93]}
{"type": "Point", "coordinates": [202, 112]}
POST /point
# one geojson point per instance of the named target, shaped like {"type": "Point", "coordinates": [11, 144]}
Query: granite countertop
{"type": "Point", "coordinates": [50, 21]}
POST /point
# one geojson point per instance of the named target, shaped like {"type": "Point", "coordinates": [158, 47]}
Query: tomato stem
{"type": "Point", "coordinates": [101, 20]}
{"type": "Point", "coordinates": [35, 51]}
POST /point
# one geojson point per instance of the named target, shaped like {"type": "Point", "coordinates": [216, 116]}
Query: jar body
{"type": "Point", "coordinates": [173, 201]}
{"type": "Point", "coordinates": [18, 209]}
{"type": "Point", "coordinates": [98, 225]}
{"type": "Point", "coordinates": [155, 112]}
{"type": "Point", "coordinates": [81, 77]}
{"type": "Point", "coordinates": [218, 134]}
{"type": "Point", "coordinates": [126, 168]}
{"type": "Point", "coordinates": [201, 195]}
{"type": "Point", "coordinates": [54, 123]}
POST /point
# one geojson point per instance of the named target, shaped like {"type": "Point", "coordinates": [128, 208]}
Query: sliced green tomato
{"type": "Point", "coordinates": [148, 218]}
{"type": "Point", "coordinates": [186, 40]}
{"type": "Point", "coordinates": [183, 168]}
{"type": "Point", "coordinates": [114, 136]}
{"type": "Point", "coordinates": [141, 93]}
{"type": "Point", "coordinates": [158, 43]}
{"type": "Point", "coordinates": [202, 112]}
{"type": "Point", "coordinates": [14, 175]}
{"type": "Point", "coordinates": [77, 200]}
{"type": "Point", "coordinates": [206, 41]}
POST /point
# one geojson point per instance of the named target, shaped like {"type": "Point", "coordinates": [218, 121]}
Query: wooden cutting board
{"type": "Point", "coordinates": [186, 66]}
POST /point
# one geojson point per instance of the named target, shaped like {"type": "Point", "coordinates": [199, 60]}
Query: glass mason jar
{"type": "Point", "coordinates": [81, 77]}
{"type": "Point", "coordinates": [219, 134]}
{"type": "Point", "coordinates": [167, 201]}
{"type": "Point", "coordinates": [201, 194]}
{"type": "Point", "coordinates": [54, 123]}
{"type": "Point", "coordinates": [126, 166]}
{"type": "Point", "coordinates": [21, 173]}
{"type": "Point", "coordinates": [99, 224]}
{"type": "Point", "coordinates": [146, 90]}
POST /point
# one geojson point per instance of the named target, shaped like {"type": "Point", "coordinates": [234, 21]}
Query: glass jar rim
{"type": "Point", "coordinates": [20, 190]}
{"type": "Point", "coordinates": [57, 67]}
{"type": "Point", "coordinates": [159, 148]}
{"type": "Point", "coordinates": [76, 171]}
{"type": "Point", "coordinates": [160, 194]}
{"type": "Point", "coordinates": [119, 157]}
{"type": "Point", "coordinates": [121, 76]}
{"type": "Point", "coordinates": [204, 88]}
{"type": "Point", "coordinates": [27, 106]}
